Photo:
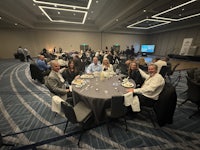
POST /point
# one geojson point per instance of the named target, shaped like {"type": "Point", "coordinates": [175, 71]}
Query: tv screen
{"type": "Point", "coordinates": [147, 48]}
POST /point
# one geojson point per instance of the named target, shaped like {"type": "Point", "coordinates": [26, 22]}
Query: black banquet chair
{"type": "Point", "coordinates": [36, 73]}
{"type": "Point", "coordinates": [2, 143]}
{"type": "Point", "coordinates": [116, 111]}
{"type": "Point", "coordinates": [79, 114]}
{"type": "Point", "coordinates": [163, 71]}
{"type": "Point", "coordinates": [193, 94]}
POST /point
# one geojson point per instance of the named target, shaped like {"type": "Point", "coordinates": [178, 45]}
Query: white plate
{"type": "Point", "coordinates": [78, 82]}
{"type": "Point", "coordinates": [127, 84]}
{"type": "Point", "coordinates": [87, 76]}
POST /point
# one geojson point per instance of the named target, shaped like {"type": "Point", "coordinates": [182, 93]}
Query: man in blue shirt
{"type": "Point", "coordinates": [42, 65]}
{"type": "Point", "coordinates": [94, 67]}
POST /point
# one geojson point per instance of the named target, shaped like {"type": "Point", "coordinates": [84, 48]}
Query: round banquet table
{"type": "Point", "coordinates": [97, 94]}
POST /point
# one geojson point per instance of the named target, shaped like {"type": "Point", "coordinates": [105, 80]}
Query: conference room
{"type": "Point", "coordinates": [124, 32]}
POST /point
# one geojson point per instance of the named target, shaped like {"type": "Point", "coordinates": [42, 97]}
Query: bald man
{"type": "Point", "coordinates": [95, 66]}
{"type": "Point", "coordinates": [55, 82]}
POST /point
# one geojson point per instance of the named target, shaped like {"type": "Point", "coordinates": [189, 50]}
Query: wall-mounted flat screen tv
{"type": "Point", "coordinates": [147, 48]}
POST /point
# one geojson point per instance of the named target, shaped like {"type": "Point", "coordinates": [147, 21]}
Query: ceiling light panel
{"type": "Point", "coordinates": [65, 16]}
{"type": "Point", "coordinates": [148, 24]}
{"type": "Point", "coordinates": [180, 12]}
{"type": "Point", "coordinates": [75, 4]}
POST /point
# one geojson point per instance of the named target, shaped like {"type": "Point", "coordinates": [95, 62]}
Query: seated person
{"type": "Point", "coordinates": [106, 66]}
{"type": "Point", "coordinates": [151, 88]}
{"type": "Point", "coordinates": [159, 63]}
{"type": "Point", "coordinates": [94, 66]}
{"type": "Point", "coordinates": [133, 73]}
{"type": "Point", "coordinates": [42, 65]}
{"type": "Point", "coordinates": [55, 82]}
{"type": "Point", "coordinates": [71, 73]}
{"type": "Point", "coordinates": [142, 64]}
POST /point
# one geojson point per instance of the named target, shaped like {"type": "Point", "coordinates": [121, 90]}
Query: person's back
{"type": "Point", "coordinates": [160, 63]}
{"type": "Point", "coordinates": [41, 63]}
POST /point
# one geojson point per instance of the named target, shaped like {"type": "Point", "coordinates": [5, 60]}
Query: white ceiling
{"type": "Point", "coordinates": [102, 15]}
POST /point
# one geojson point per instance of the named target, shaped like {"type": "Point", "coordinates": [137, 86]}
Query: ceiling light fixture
{"type": "Point", "coordinates": [42, 8]}
{"type": "Point", "coordinates": [162, 22]}
{"type": "Point", "coordinates": [64, 5]}
{"type": "Point", "coordinates": [158, 16]}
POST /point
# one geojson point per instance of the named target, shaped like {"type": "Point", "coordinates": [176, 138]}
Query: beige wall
{"type": "Point", "coordinates": [171, 42]}
{"type": "Point", "coordinates": [123, 40]}
{"type": "Point", "coordinates": [36, 40]}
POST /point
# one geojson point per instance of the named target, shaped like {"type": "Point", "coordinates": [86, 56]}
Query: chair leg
{"type": "Point", "coordinates": [125, 124]}
{"type": "Point", "coordinates": [81, 134]}
{"type": "Point", "coordinates": [151, 118]}
{"type": "Point", "coordinates": [108, 128]}
{"type": "Point", "coordinates": [183, 102]}
{"type": "Point", "coordinates": [66, 126]}
{"type": "Point", "coordinates": [195, 112]}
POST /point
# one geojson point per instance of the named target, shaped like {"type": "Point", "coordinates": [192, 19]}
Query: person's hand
{"type": "Point", "coordinates": [130, 90]}
{"type": "Point", "coordinates": [78, 76]}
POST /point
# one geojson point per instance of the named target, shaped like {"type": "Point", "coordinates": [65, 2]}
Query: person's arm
{"type": "Point", "coordinates": [152, 87]}
{"type": "Point", "coordinates": [143, 74]}
{"type": "Point", "coordinates": [52, 85]}
{"type": "Point", "coordinates": [89, 69]}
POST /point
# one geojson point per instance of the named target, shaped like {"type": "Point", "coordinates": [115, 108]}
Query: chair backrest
{"type": "Point", "coordinates": [36, 73]}
{"type": "Point", "coordinates": [193, 91]}
{"type": "Point", "coordinates": [1, 140]}
{"type": "Point", "coordinates": [117, 107]}
{"type": "Point", "coordinates": [166, 105]}
{"type": "Point", "coordinates": [173, 69]}
{"type": "Point", "coordinates": [69, 112]}
{"type": "Point", "coordinates": [163, 70]}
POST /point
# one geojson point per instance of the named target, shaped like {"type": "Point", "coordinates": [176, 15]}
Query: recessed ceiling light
{"type": "Point", "coordinates": [34, 4]}
{"type": "Point", "coordinates": [43, 8]}
{"type": "Point", "coordinates": [117, 19]}
{"type": "Point", "coordinates": [97, 1]}
{"type": "Point", "coordinates": [0, 17]}
{"type": "Point", "coordinates": [134, 25]}
{"type": "Point", "coordinates": [92, 12]}
{"type": "Point", "coordinates": [158, 16]}
{"type": "Point", "coordinates": [144, 10]}
{"type": "Point", "coordinates": [16, 24]}
{"type": "Point", "coordinates": [63, 5]}
{"type": "Point", "coordinates": [74, 14]}
{"type": "Point", "coordinates": [58, 12]}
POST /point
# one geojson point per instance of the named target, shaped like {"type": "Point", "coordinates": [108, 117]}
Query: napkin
{"type": "Point", "coordinates": [133, 101]}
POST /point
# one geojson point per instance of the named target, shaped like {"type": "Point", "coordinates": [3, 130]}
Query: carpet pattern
{"type": "Point", "coordinates": [25, 107]}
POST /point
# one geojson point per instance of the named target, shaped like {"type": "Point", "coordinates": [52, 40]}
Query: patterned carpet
{"type": "Point", "coordinates": [26, 120]}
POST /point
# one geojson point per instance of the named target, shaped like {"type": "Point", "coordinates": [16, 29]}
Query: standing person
{"type": "Point", "coordinates": [27, 54]}
{"type": "Point", "coordinates": [132, 52]}
{"type": "Point", "coordinates": [55, 82]}
{"type": "Point", "coordinates": [95, 66]}
{"type": "Point", "coordinates": [151, 88]}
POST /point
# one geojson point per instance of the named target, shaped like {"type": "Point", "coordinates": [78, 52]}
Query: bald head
{"type": "Point", "coordinates": [55, 66]}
